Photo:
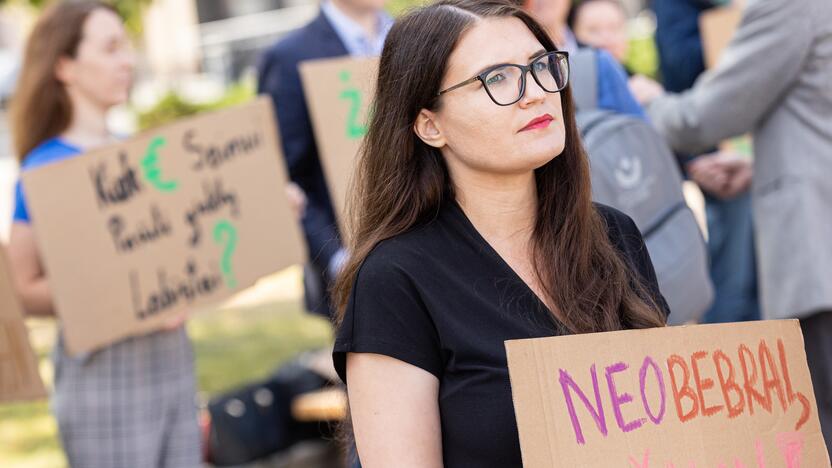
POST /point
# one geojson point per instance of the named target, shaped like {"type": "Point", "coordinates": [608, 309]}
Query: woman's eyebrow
{"type": "Point", "coordinates": [532, 56]}
{"type": "Point", "coordinates": [537, 54]}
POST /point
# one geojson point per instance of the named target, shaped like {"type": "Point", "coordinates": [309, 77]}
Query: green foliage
{"type": "Point", "coordinates": [398, 7]}
{"type": "Point", "coordinates": [172, 106]}
{"type": "Point", "coordinates": [169, 108]}
{"type": "Point", "coordinates": [130, 10]}
{"type": "Point", "coordinates": [643, 58]}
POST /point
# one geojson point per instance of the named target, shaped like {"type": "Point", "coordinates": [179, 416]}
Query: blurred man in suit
{"type": "Point", "coordinates": [730, 223]}
{"type": "Point", "coordinates": [773, 80]}
{"type": "Point", "coordinates": [343, 27]}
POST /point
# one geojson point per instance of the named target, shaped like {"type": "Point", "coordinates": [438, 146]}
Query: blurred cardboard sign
{"type": "Point", "coordinates": [733, 395]}
{"type": "Point", "coordinates": [170, 220]}
{"type": "Point", "coordinates": [339, 93]}
{"type": "Point", "coordinates": [717, 27]}
{"type": "Point", "coordinates": [19, 377]}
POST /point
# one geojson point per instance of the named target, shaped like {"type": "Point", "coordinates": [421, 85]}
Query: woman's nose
{"type": "Point", "coordinates": [533, 92]}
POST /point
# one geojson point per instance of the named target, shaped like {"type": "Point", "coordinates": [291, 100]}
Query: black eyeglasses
{"type": "Point", "coordinates": [506, 83]}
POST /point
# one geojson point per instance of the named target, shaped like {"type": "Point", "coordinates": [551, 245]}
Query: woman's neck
{"type": "Point", "coordinates": [502, 208]}
{"type": "Point", "coordinates": [88, 127]}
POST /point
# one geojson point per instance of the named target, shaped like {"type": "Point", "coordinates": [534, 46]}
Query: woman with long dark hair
{"type": "Point", "coordinates": [132, 403]}
{"type": "Point", "coordinates": [472, 224]}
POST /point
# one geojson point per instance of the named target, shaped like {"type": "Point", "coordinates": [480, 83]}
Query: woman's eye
{"type": "Point", "coordinates": [539, 66]}
{"type": "Point", "coordinates": [495, 78]}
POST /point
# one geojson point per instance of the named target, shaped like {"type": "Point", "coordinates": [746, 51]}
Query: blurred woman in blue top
{"type": "Point", "coordinates": [613, 92]}
{"type": "Point", "coordinates": [130, 404]}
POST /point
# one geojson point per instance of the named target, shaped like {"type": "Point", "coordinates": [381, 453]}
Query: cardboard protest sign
{"type": "Point", "coordinates": [339, 93]}
{"type": "Point", "coordinates": [19, 377]}
{"type": "Point", "coordinates": [717, 27]}
{"type": "Point", "coordinates": [706, 396]}
{"type": "Point", "coordinates": [176, 218]}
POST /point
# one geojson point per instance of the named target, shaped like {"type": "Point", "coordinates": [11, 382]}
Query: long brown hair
{"type": "Point", "coordinates": [400, 181]}
{"type": "Point", "coordinates": [40, 107]}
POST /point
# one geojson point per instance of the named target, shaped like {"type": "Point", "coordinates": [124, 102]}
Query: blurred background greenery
{"type": "Point", "coordinates": [232, 346]}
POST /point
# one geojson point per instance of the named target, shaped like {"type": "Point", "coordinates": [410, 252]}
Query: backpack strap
{"type": "Point", "coordinates": [662, 218]}
{"type": "Point", "coordinates": [588, 119]}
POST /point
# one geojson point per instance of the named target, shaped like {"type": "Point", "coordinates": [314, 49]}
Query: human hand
{"type": "Point", "coordinates": [176, 321]}
{"type": "Point", "coordinates": [645, 89]}
{"type": "Point", "coordinates": [722, 174]}
{"type": "Point", "coordinates": [297, 199]}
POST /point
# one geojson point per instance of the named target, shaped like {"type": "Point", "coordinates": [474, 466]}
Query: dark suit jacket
{"type": "Point", "coordinates": [279, 77]}
{"type": "Point", "coordinates": [678, 41]}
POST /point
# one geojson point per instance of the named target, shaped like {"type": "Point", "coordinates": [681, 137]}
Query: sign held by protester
{"type": "Point", "coordinates": [717, 27]}
{"type": "Point", "coordinates": [19, 377]}
{"type": "Point", "coordinates": [177, 218]}
{"type": "Point", "coordinates": [706, 396]}
{"type": "Point", "coordinates": [339, 93]}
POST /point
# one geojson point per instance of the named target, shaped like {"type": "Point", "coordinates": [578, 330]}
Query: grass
{"type": "Point", "coordinates": [232, 347]}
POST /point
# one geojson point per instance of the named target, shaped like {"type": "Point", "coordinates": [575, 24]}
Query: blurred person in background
{"type": "Point", "coordinates": [733, 266]}
{"type": "Point", "coordinates": [773, 80]}
{"type": "Point", "coordinates": [601, 24]}
{"type": "Point", "coordinates": [130, 404]}
{"type": "Point", "coordinates": [612, 91]}
{"type": "Point", "coordinates": [679, 42]}
{"type": "Point", "coordinates": [355, 28]}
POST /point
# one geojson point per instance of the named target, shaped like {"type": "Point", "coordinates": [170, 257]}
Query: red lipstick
{"type": "Point", "coordinates": [538, 122]}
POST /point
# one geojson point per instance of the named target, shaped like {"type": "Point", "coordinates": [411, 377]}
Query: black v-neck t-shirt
{"type": "Point", "coordinates": [441, 298]}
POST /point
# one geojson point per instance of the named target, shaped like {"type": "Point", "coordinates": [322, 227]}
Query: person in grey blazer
{"type": "Point", "coordinates": [775, 80]}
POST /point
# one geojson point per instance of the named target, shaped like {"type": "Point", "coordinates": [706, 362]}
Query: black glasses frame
{"type": "Point", "coordinates": [525, 70]}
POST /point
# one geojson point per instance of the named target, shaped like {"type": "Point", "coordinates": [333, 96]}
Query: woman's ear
{"type": "Point", "coordinates": [64, 70]}
{"type": "Point", "coordinates": [428, 130]}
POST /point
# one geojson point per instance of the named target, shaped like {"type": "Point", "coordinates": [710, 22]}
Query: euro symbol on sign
{"type": "Point", "coordinates": [151, 170]}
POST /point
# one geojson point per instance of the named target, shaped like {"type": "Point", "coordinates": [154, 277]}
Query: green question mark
{"type": "Point", "coordinates": [226, 233]}
{"type": "Point", "coordinates": [150, 167]}
{"type": "Point", "coordinates": [355, 130]}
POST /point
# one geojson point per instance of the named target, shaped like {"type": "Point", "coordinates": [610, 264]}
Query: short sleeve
{"type": "Point", "coordinates": [50, 151]}
{"type": "Point", "coordinates": [387, 315]}
{"type": "Point", "coordinates": [21, 212]}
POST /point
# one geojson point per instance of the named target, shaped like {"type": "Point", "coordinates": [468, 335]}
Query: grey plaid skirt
{"type": "Point", "coordinates": [129, 405]}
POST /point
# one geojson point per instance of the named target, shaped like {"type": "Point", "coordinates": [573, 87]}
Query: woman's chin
{"type": "Point", "coordinates": [545, 154]}
{"type": "Point", "coordinates": [529, 163]}
{"type": "Point", "coordinates": [116, 99]}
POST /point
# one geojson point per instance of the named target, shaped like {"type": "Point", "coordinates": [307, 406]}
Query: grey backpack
{"type": "Point", "coordinates": [634, 170]}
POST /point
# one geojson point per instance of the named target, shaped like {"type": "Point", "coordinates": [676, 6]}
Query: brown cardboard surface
{"type": "Point", "coordinates": [339, 93]}
{"type": "Point", "coordinates": [172, 219]}
{"type": "Point", "coordinates": [19, 377]}
{"type": "Point", "coordinates": [656, 398]}
{"type": "Point", "coordinates": [717, 27]}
